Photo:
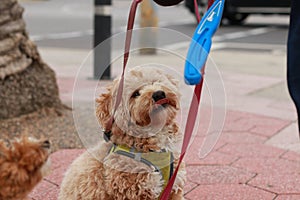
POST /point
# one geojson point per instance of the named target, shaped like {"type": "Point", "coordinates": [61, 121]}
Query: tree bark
{"type": "Point", "coordinates": [27, 84]}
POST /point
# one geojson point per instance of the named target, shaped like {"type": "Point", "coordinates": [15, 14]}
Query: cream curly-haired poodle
{"type": "Point", "coordinates": [23, 163]}
{"type": "Point", "coordinates": [142, 143]}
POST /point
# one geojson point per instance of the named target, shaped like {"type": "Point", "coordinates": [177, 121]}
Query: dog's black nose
{"type": "Point", "coordinates": [46, 144]}
{"type": "Point", "coordinates": [158, 95]}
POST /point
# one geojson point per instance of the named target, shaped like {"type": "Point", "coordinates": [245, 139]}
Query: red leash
{"type": "Point", "coordinates": [196, 10]}
{"type": "Point", "coordinates": [193, 111]}
{"type": "Point", "coordinates": [192, 116]}
{"type": "Point", "coordinates": [125, 60]}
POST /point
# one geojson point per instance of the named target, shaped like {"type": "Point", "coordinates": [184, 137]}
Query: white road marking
{"type": "Point", "coordinates": [66, 35]}
{"type": "Point", "coordinates": [241, 34]}
{"type": "Point", "coordinates": [217, 40]}
{"type": "Point", "coordinates": [257, 46]}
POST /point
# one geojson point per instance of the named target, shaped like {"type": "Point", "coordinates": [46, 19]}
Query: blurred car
{"type": "Point", "coordinates": [236, 11]}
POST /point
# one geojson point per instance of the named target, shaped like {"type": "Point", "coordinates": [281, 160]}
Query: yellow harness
{"type": "Point", "coordinates": [162, 162]}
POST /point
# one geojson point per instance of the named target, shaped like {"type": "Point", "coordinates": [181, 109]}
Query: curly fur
{"type": "Point", "coordinates": [138, 123]}
{"type": "Point", "coordinates": [23, 163]}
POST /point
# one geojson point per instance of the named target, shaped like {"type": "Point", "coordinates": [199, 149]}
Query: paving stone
{"type": "Point", "coordinates": [268, 166]}
{"type": "Point", "coordinates": [57, 175]}
{"type": "Point", "coordinates": [287, 139]}
{"type": "Point", "coordinates": [203, 146]}
{"type": "Point", "coordinates": [252, 150]}
{"type": "Point", "coordinates": [213, 158]}
{"type": "Point", "coordinates": [66, 86]}
{"type": "Point", "coordinates": [257, 124]}
{"type": "Point", "coordinates": [61, 161]}
{"type": "Point", "coordinates": [189, 186]}
{"type": "Point", "coordinates": [265, 126]}
{"type": "Point", "coordinates": [206, 145]}
{"type": "Point", "coordinates": [45, 190]}
{"type": "Point", "coordinates": [203, 122]}
{"type": "Point", "coordinates": [241, 138]}
{"type": "Point", "coordinates": [278, 183]}
{"type": "Point", "coordinates": [290, 155]}
{"type": "Point", "coordinates": [214, 141]}
{"type": "Point", "coordinates": [229, 192]}
{"type": "Point", "coordinates": [233, 116]}
{"type": "Point", "coordinates": [64, 157]}
{"type": "Point", "coordinates": [288, 197]}
{"type": "Point", "coordinates": [270, 130]}
{"type": "Point", "coordinates": [211, 143]}
{"type": "Point", "coordinates": [217, 175]}
{"type": "Point", "coordinates": [238, 125]}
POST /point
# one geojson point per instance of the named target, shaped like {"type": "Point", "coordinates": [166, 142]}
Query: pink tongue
{"type": "Point", "coordinates": [162, 101]}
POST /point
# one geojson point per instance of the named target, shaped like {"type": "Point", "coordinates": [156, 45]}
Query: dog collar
{"type": "Point", "coordinates": [162, 162]}
{"type": "Point", "coordinates": [106, 135]}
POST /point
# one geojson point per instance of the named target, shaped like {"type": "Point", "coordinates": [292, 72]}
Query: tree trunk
{"type": "Point", "coordinates": [27, 84]}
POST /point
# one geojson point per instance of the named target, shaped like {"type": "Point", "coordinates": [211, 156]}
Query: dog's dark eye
{"type": "Point", "coordinates": [135, 94]}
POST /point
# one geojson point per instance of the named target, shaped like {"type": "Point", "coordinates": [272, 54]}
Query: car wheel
{"type": "Point", "coordinates": [236, 18]}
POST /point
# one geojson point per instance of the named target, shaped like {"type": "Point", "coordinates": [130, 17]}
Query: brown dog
{"type": "Point", "coordinates": [23, 163]}
{"type": "Point", "coordinates": [142, 147]}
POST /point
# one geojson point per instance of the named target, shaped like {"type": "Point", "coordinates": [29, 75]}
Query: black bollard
{"type": "Point", "coordinates": [102, 31]}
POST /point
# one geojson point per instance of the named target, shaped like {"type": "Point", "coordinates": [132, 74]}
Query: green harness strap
{"type": "Point", "coordinates": [162, 162]}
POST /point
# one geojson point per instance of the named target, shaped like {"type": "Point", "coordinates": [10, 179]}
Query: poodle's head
{"type": "Point", "coordinates": [150, 101]}
{"type": "Point", "coordinates": [23, 163]}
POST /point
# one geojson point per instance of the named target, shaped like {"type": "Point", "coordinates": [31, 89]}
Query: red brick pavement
{"type": "Point", "coordinates": [240, 166]}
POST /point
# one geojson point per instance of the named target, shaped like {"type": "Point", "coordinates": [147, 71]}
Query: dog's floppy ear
{"type": "Point", "coordinates": [104, 107]}
{"type": "Point", "coordinates": [105, 103]}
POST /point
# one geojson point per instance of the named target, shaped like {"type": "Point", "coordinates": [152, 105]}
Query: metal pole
{"type": "Point", "coordinates": [102, 31]}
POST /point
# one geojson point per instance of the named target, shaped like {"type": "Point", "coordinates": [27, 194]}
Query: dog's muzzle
{"type": "Point", "coordinates": [159, 98]}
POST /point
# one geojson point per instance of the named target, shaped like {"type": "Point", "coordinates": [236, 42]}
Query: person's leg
{"type": "Point", "coordinates": [293, 59]}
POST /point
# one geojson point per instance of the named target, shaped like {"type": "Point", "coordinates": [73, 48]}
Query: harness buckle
{"type": "Point", "coordinates": [138, 157]}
